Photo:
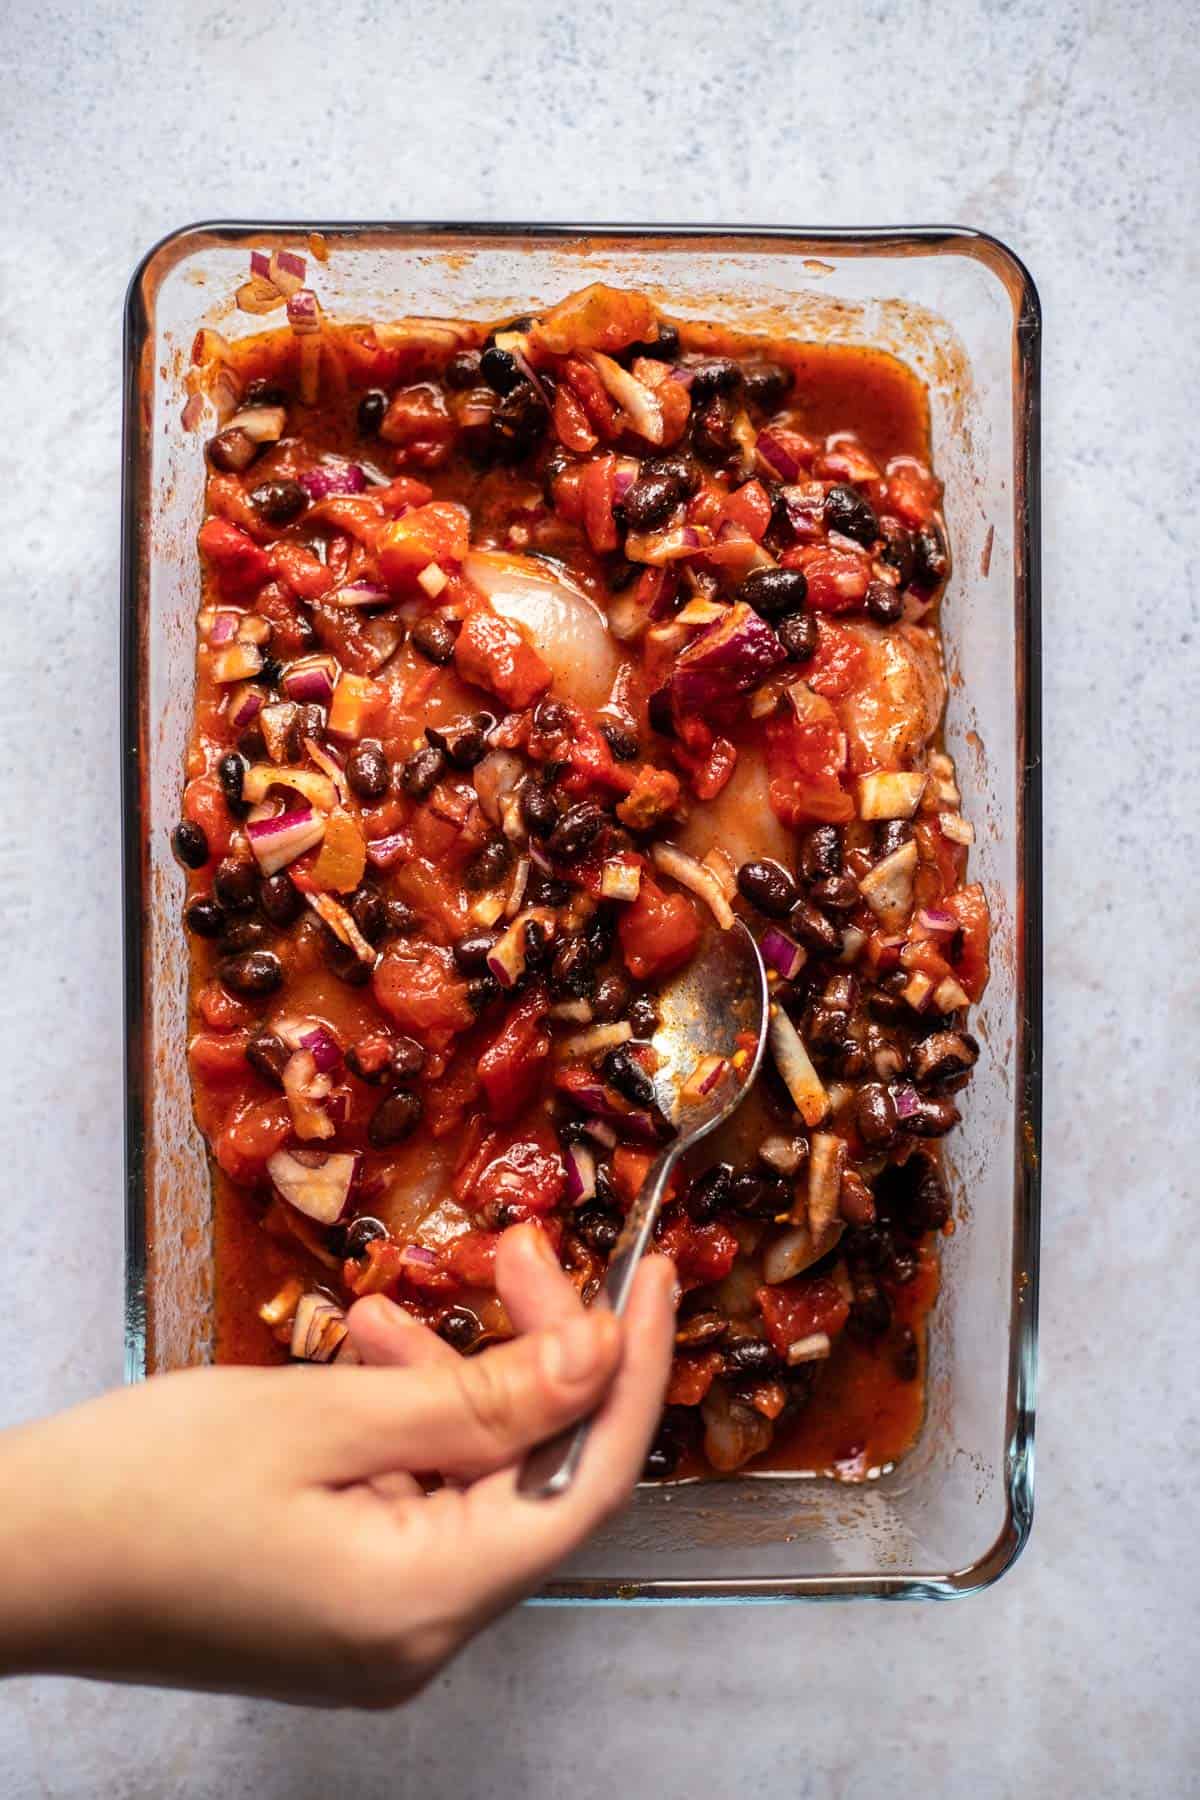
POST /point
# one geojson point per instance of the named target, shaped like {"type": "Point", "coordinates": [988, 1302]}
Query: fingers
{"type": "Point", "coordinates": [386, 1336]}
{"type": "Point", "coordinates": [531, 1282]}
{"type": "Point", "coordinates": [505, 1543]}
{"type": "Point", "coordinates": [472, 1414]}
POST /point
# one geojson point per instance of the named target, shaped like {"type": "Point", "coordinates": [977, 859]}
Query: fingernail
{"type": "Point", "coordinates": [572, 1352]}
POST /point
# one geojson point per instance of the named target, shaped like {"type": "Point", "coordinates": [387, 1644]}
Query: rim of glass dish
{"type": "Point", "coordinates": [905, 240]}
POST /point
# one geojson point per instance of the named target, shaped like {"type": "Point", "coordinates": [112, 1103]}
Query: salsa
{"type": "Point", "coordinates": [528, 652]}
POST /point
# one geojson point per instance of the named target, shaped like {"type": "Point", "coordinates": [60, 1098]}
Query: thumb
{"type": "Point", "coordinates": [476, 1414]}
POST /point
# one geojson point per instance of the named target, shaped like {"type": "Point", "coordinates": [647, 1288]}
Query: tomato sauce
{"type": "Point", "coordinates": [489, 611]}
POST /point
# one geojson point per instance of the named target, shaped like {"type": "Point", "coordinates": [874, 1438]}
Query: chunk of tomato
{"type": "Point", "coordinates": [511, 1068]}
{"type": "Point", "coordinates": [250, 1136]}
{"type": "Point", "coordinates": [419, 986]}
{"type": "Point", "coordinates": [804, 762]}
{"type": "Point", "coordinates": [658, 932]}
{"type": "Point", "coordinates": [236, 559]}
{"type": "Point", "coordinates": [524, 1174]}
{"type": "Point", "coordinates": [302, 573]}
{"type": "Point", "coordinates": [437, 533]}
{"type": "Point", "coordinates": [837, 579]}
{"type": "Point", "coordinates": [797, 1309]}
{"type": "Point", "coordinates": [491, 653]}
{"type": "Point", "coordinates": [969, 906]}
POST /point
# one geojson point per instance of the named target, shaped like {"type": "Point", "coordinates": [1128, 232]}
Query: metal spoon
{"type": "Point", "coordinates": [719, 998]}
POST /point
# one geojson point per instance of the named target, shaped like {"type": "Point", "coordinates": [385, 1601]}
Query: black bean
{"type": "Point", "coordinates": [931, 563]}
{"type": "Point", "coordinates": [460, 1328]}
{"type": "Point", "coordinates": [598, 1227]}
{"type": "Point", "coordinates": [463, 741]}
{"type": "Point", "coordinates": [622, 1071]}
{"type": "Point", "coordinates": [662, 347]}
{"type": "Point", "coordinates": [310, 721]}
{"type": "Point", "coordinates": [799, 636]}
{"type": "Point", "coordinates": [254, 972]}
{"type": "Point", "coordinates": [489, 865]}
{"type": "Point", "coordinates": [235, 883]}
{"type": "Point", "coordinates": [943, 1054]}
{"type": "Point", "coordinates": [820, 852]}
{"type": "Point", "coordinates": [278, 502]}
{"type": "Point", "coordinates": [573, 972]}
{"type": "Point", "coordinates": [753, 1356]}
{"type": "Point", "coordinates": [231, 773]}
{"type": "Point", "coordinates": [544, 890]}
{"type": "Point", "coordinates": [471, 953]}
{"type": "Point", "coordinates": [760, 1196]}
{"type": "Point", "coordinates": [262, 391]}
{"type": "Point", "coordinates": [537, 945]}
{"type": "Point", "coordinates": [243, 933]}
{"type": "Point", "coordinates": [203, 917]}
{"type": "Point", "coordinates": [837, 891]}
{"type": "Point", "coordinates": [886, 1000]}
{"type": "Point", "coordinates": [369, 912]}
{"type": "Point", "coordinates": [715, 375]}
{"type": "Point", "coordinates": [884, 603]}
{"type": "Point", "coordinates": [852, 1060]}
{"type": "Point", "coordinates": [888, 836]}
{"type": "Point", "coordinates": [551, 718]}
{"type": "Point", "coordinates": [367, 770]}
{"type": "Point", "coordinates": [875, 1114]}
{"type": "Point", "coordinates": [766, 384]}
{"type": "Point", "coordinates": [769, 886]}
{"type": "Point", "coordinates": [712, 429]}
{"type": "Point", "coordinates": [371, 410]}
{"type": "Point", "coordinates": [600, 933]}
{"type": "Point", "coordinates": [434, 636]}
{"type": "Point", "coordinates": [395, 1119]}
{"type": "Point", "coordinates": [934, 1117]}
{"type": "Point", "coordinates": [422, 771]}
{"type": "Point", "coordinates": [252, 743]}
{"type": "Point", "coordinates": [679, 467]}
{"type": "Point", "coordinates": [898, 548]}
{"type": "Point", "coordinates": [848, 512]}
{"type": "Point", "coordinates": [500, 369]}
{"type": "Point", "coordinates": [710, 1193]}
{"type": "Point", "coordinates": [579, 826]}
{"type": "Point", "coordinates": [271, 673]}
{"type": "Point", "coordinates": [662, 1460]}
{"type": "Point", "coordinates": [814, 930]}
{"type": "Point", "coordinates": [611, 999]}
{"type": "Point", "coordinates": [400, 917]}
{"type": "Point", "coordinates": [343, 961]}
{"type": "Point", "coordinates": [232, 450]}
{"type": "Point", "coordinates": [462, 371]}
{"type": "Point", "coordinates": [518, 421]}
{"type": "Point", "coordinates": [481, 991]}
{"type": "Point", "coordinates": [650, 502]}
{"type": "Point", "coordinates": [907, 1360]}
{"type": "Point", "coordinates": [360, 1232]}
{"type": "Point", "coordinates": [870, 1316]}
{"type": "Point", "coordinates": [280, 899]}
{"type": "Point", "coordinates": [774, 592]}
{"type": "Point", "coordinates": [408, 1059]}
{"type": "Point", "coordinates": [190, 844]}
{"type": "Point", "coordinates": [701, 1328]}
{"type": "Point", "coordinates": [660, 714]}
{"type": "Point", "coordinates": [867, 1247]}
{"type": "Point", "coordinates": [643, 1016]}
{"type": "Point", "coordinates": [269, 1055]}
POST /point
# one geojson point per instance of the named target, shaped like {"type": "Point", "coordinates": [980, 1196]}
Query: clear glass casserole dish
{"type": "Point", "coordinates": [962, 312]}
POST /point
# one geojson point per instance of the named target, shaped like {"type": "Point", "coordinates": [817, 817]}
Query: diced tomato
{"type": "Point", "coordinates": [676, 404]}
{"type": "Point", "coordinates": [304, 574]}
{"type": "Point", "coordinates": [914, 492]}
{"type": "Point", "coordinates": [289, 637]}
{"type": "Point", "coordinates": [419, 986]}
{"type": "Point", "coordinates": [596, 318]}
{"type": "Point", "coordinates": [357, 703]}
{"type": "Point", "coordinates": [492, 653]}
{"type": "Point", "coordinates": [629, 1170]}
{"type": "Point", "coordinates": [236, 559]}
{"type": "Point", "coordinates": [837, 579]}
{"type": "Point", "coordinates": [592, 396]}
{"type": "Point", "coordinates": [405, 491]}
{"type": "Point", "coordinates": [524, 1174]}
{"type": "Point", "coordinates": [220, 1011]}
{"type": "Point", "coordinates": [437, 533]}
{"type": "Point", "coordinates": [797, 1309]}
{"type": "Point", "coordinates": [253, 1134]}
{"type": "Point", "coordinates": [658, 932]}
{"type": "Point", "coordinates": [204, 805]}
{"type": "Point", "coordinates": [654, 794]}
{"type": "Point", "coordinates": [750, 507]}
{"type": "Point", "coordinates": [707, 505]}
{"type": "Point", "coordinates": [715, 770]}
{"type": "Point", "coordinates": [417, 415]}
{"type": "Point", "coordinates": [357, 516]}
{"type": "Point", "coordinates": [568, 493]}
{"type": "Point", "coordinates": [342, 859]}
{"type": "Point", "coordinates": [571, 422]}
{"type": "Point", "coordinates": [510, 1069]}
{"type": "Point", "coordinates": [473, 1258]}
{"type": "Point", "coordinates": [701, 1253]}
{"type": "Point", "coordinates": [599, 495]}
{"type": "Point", "coordinates": [942, 861]}
{"type": "Point", "coordinates": [804, 760]}
{"type": "Point", "coordinates": [447, 1100]}
{"type": "Point", "coordinates": [225, 495]}
{"type": "Point", "coordinates": [591, 759]}
{"type": "Point", "coordinates": [219, 1058]}
{"type": "Point", "coordinates": [839, 665]}
{"type": "Point", "coordinates": [969, 906]}
{"type": "Point", "coordinates": [692, 1374]}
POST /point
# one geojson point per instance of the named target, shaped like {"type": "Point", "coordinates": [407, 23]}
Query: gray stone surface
{"type": "Point", "coordinates": [1068, 129]}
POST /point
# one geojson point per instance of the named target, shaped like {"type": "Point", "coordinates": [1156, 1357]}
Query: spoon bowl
{"type": "Point", "coordinates": [712, 1031]}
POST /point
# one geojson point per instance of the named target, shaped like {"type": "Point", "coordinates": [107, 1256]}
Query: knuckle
{"type": "Point", "coordinates": [491, 1398]}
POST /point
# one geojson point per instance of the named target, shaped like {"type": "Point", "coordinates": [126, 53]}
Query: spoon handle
{"type": "Point", "coordinates": [550, 1468]}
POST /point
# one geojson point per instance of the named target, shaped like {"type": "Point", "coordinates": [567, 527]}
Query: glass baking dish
{"type": "Point", "coordinates": [961, 310]}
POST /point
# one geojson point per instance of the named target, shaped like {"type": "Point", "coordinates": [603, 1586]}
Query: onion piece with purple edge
{"type": "Point", "coordinates": [386, 852]}
{"type": "Point", "coordinates": [304, 312]}
{"type": "Point", "coordinates": [599, 1039]}
{"type": "Point", "coordinates": [279, 841]}
{"type": "Point", "coordinates": [581, 1173]}
{"type": "Point", "coordinates": [659, 547]}
{"type": "Point", "coordinates": [306, 1089]}
{"type": "Point", "coordinates": [224, 627]}
{"type": "Point", "coordinates": [635, 1123]}
{"type": "Point", "coordinates": [620, 880]}
{"type": "Point", "coordinates": [773, 452]}
{"type": "Point", "coordinates": [286, 270]}
{"type": "Point", "coordinates": [359, 593]}
{"type": "Point", "coordinates": [888, 887]}
{"type": "Point", "coordinates": [418, 1256]}
{"type": "Point", "coordinates": [601, 1134]}
{"type": "Point", "coordinates": [710, 1070]}
{"type": "Point", "coordinates": [329, 767]}
{"type": "Point", "coordinates": [826, 1158]}
{"type": "Point", "coordinates": [319, 1185]}
{"type": "Point", "coordinates": [795, 1066]}
{"type": "Point", "coordinates": [323, 1047]}
{"type": "Point", "coordinates": [639, 402]}
{"type": "Point", "coordinates": [693, 875]}
{"type": "Point", "coordinates": [506, 958]}
{"type": "Point", "coordinates": [236, 662]}
{"type": "Point", "coordinates": [342, 926]}
{"type": "Point", "coordinates": [311, 680]}
{"type": "Point", "coordinates": [260, 778]}
{"type": "Point", "coordinates": [782, 953]}
{"type": "Point", "coordinates": [318, 1329]}
{"type": "Point", "coordinates": [245, 706]}
{"type": "Point", "coordinates": [796, 1249]}
{"type": "Point", "coordinates": [936, 920]}
{"type": "Point", "coordinates": [335, 476]}
{"type": "Point", "coordinates": [726, 661]}
{"type": "Point", "coordinates": [516, 892]}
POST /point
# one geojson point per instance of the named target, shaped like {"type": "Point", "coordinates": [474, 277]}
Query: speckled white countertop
{"type": "Point", "coordinates": [1068, 129]}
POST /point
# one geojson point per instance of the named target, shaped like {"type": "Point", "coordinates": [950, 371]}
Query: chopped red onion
{"type": "Point", "coordinates": [782, 953]}
{"type": "Point", "coordinates": [826, 1157]}
{"type": "Point", "coordinates": [693, 875]}
{"type": "Point", "coordinates": [581, 1173]}
{"type": "Point", "coordinates": [304, 314]}
{"type": "Point", "coordinates": [417, 1256]}
{"type": "Point", "coordinates": [725, 661]}
{"type": "Point", "coordinates": [773, 449]}
{"type": "Point", "coordinates": [319, 1187]}
{"type": "Point", "coordinates": [624, 475]}
{"type": "Point", "coordinates": [279, 841]}
{"type": "Point", "coordinates": [386, 852]}
{"type": "Point", "coordinates": [318, 1329]}
{"type": "Point", "coordinates": [640, 403]}
{"type": "Point", "coordinates": [335, 477]}
{"type": "Point", "coordinates": [906, 1099]}
{"type": "Point", "coordinates": [506, 958]}
{"type": "Point", "coordinates": [795, 1066]}
{"type": "Point", "coordinates": [245, 704]}
{"type": "Point", "coordinates": [311, 680]}
{"type": "Point", "coordinates": [224, 628]}
{"type": "Point", "coordinates": [937, 921]}
{"type": "Point", "coordinates": [260, 264]}
{"type": "Point", "coordinates": [236, 662]}
{"type": "Point", "coordinates": [601, 1133]}
{"type": "Point", "coordinates": [325, 1050]}
{"type": "Point", "coordinates": [636, 1123]}
{"type": "Point", "coordinates": [599, 1038]}
{"type": "Point", "coordinates": [658, 547]}
{"type": "Point", "coordinates": [286, 270]}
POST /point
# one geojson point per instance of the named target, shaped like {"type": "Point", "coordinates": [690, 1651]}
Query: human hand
{"type": "Point", "coordinates": [262, 1531]}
